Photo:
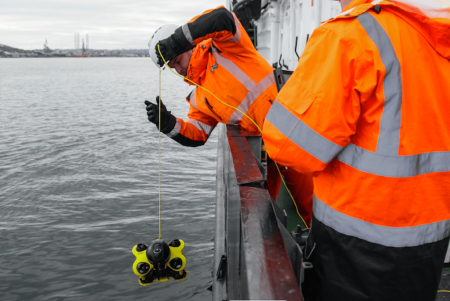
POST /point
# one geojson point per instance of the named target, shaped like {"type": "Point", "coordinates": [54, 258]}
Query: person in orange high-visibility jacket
{"type": "Point", "coordinates": [214, 51]}
{"type": "Point", "coordinates": [366, 113]}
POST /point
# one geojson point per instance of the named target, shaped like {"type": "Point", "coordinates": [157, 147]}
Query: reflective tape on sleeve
{"type": "Point", "coordinates": [301, 134]}
{"type": "Point", "coordinates": [187, 34]}
{"type": "Point", "coordinates": [386, 236]}
{"type": "Point", "coordinates": [207, 129]}
{"type": "Point", "coordinates": [176, 129]}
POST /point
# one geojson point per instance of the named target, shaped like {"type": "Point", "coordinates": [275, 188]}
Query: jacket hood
{"type": "Point", "coordinates": [429, 17]}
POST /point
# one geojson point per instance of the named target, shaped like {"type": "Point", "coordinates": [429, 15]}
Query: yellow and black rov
{"type": "Point", "coordinates": [160, 261]}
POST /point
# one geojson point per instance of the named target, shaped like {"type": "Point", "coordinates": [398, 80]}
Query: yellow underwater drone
{"type": "Point", "coordinates": [160, 261]}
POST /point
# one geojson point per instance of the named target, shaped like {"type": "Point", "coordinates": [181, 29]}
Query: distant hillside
{"type": "Point", "coordinates": [11, 49]}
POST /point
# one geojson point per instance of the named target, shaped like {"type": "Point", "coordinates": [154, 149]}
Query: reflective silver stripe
{"type": "Point", "coordinates": [193, 101]}
{"type": "Point", "coordinates": [176, 129]}
{"type": "Point", "coordinates": [389, 138]}
{"type": "Point", "coordinates": [187, 34]}
{"type": "Point", "coordinates": [251, 96]}
{"type": "Point", "coordinates": [301, 134]}
{"type": "Point", "coordinates": [233, 69]}
{"type": "Point", "coordinates": [207, 129]}
{"type": "Point", "coordinates": [385, 161]}
{"type": "Point", "coordinates": [394, 166]}
{"type": "Point", "coordinates": [237, 36]}
{"type": "Point", "coordinates": [254, 90]}
{"type": "Point", "coordinates": [386, 236]}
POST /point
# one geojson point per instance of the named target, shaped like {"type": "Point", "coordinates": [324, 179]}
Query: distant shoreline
{"type": "Point", "coordinates": [69, 57]}
{"type": "Point", "coordinates": [11, 52]}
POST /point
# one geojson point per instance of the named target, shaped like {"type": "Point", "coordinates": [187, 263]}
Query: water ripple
{"type": "Point", "coordinates": [79, 181]}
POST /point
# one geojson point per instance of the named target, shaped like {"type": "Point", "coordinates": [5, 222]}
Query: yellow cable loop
{"type": "Point", "coordinates": [185, 78]}
{"type": "Point", "coordinates": [159, 153]}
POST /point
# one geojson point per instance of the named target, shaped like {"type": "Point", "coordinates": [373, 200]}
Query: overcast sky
{"type": "Point", "coordinates": [111, 24]}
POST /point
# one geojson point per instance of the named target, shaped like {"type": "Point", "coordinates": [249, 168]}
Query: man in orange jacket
{"type": "Point", "coordinates": [214, 51]}
{"type": "Point", "coordinates": [366, 114]}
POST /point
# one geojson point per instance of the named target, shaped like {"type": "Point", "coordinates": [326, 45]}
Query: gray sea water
{"type": "Point", "coordinates": [79, 181]}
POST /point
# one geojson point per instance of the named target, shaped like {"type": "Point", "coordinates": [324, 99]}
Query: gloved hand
{"type": "Point", "coordinates": [169, 49]}
{"type": "Point", "coordinates": [167, 120]}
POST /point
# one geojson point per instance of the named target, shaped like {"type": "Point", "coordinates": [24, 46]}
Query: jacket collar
{"type": "Point", "coordinates": [197, 65]}
{"type": "Point", "coordinates": [428, 17]}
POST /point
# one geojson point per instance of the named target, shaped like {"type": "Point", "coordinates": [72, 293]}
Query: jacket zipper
{"type": "Point", "coordinates": [211, 109]}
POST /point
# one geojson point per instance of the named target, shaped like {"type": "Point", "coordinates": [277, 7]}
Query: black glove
{"type": "Point", "coordinates": [167, 120]}
{"type": "Point", "coordinates": [169, 49]}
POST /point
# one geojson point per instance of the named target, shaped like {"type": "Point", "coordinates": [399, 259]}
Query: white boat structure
{"type": "Point", "coordinates": [284, 27]}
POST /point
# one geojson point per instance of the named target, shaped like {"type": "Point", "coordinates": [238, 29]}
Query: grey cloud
{"type": "Point", "coordinates": [110, 24]}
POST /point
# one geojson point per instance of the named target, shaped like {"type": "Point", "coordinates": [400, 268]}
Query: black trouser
{"type": "Point", "coordinates": [347, 268]}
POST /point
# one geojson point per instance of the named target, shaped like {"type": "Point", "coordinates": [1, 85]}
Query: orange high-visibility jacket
{"type": "Point", "coordinates": [225, 62]}
{"type": "Point", "coordinates": [367, 113]}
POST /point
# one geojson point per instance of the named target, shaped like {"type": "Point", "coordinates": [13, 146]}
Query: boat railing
{"type": "Point", "coordinates": [252, 259]}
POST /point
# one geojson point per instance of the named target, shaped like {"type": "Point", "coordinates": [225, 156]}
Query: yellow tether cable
{"type": "Point", "coordinates": [159, 153]}
{"type": "Point", "coordinates": [442, 291]}
{"type": "Point", "coordinates": [185, 78]}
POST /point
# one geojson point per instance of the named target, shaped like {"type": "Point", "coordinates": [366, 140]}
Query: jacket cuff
{"type": "Point", "coordinates": [168, 127]}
